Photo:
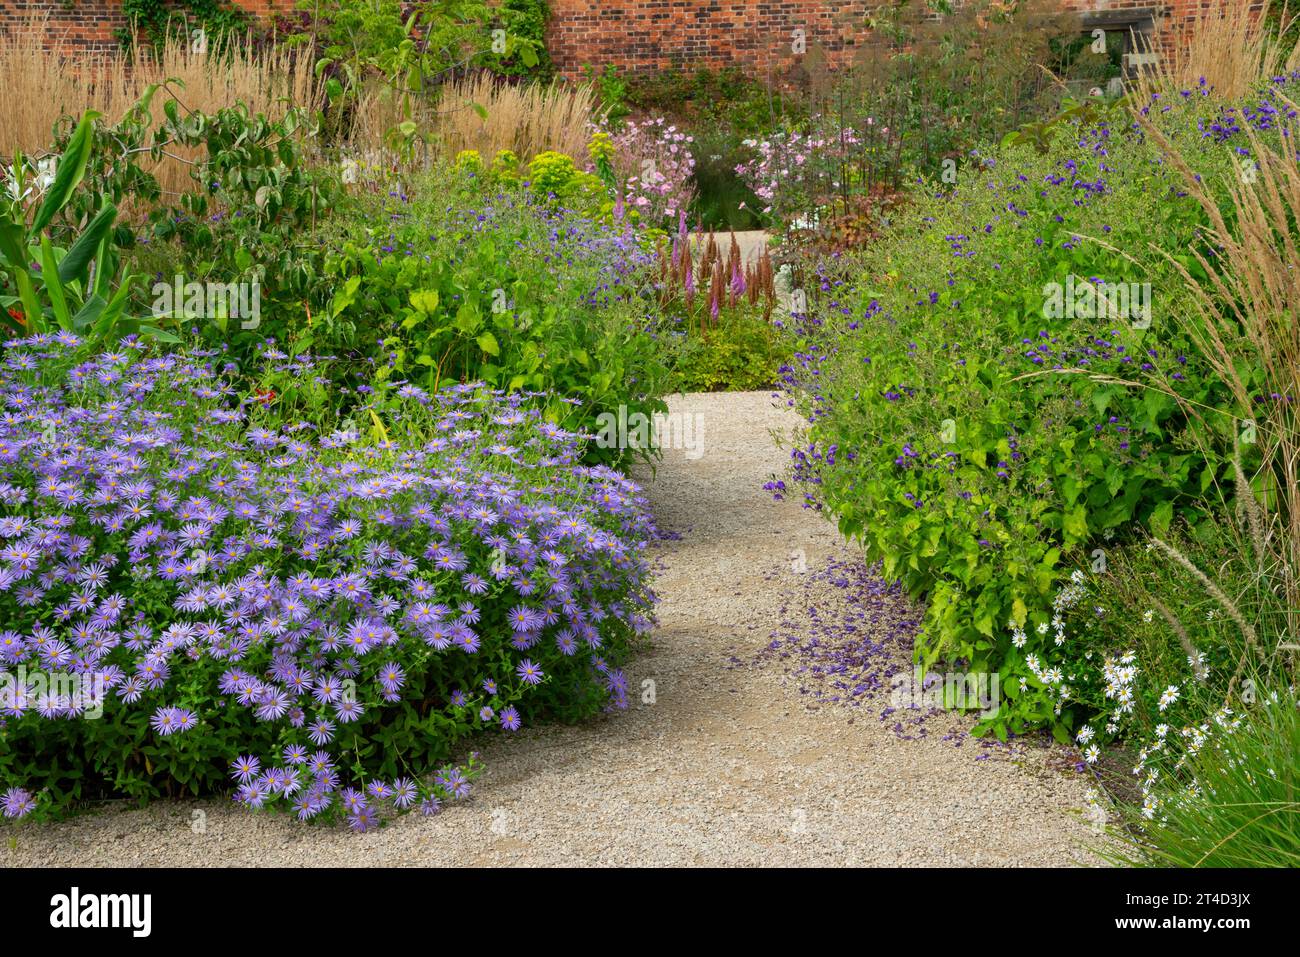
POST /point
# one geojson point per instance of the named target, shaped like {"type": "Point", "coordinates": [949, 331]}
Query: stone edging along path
{"type": "Point", "coordinates": [736, 760]}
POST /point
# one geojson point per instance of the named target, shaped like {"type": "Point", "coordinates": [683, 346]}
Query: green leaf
{"type": "Point", "coordinates": [89, 313]}
{"type": "Point", "coordinates": [161, 335]}
{"type": "Point", "coordinates": [73, 266]}
{"type": "Point", "coordinates": [426, 300]}
{"type": "Point", "coordinates": [70, 171]}
{"type": "Point", "coordinates": [345, 296]}
{"type": "Point", "coordinates": [104, 267]}
{"type": "Point", "coordinates": [1075, 523]}
{"type": "Point", "coordinates": [13, 243]}
{"type": "Point", "coordinates": [1019, 612]}
{"type": "Point", "coordinates": [1207, 477]}
{"type": "Point", "coordinates": [468, 319]}
{"type": "Point", "coordinates": [1070, 488]}
{"type": "Point", "coordinates": [53, 285]}
{"type": "Point", "coordinates": [488, 343]}
{"type": "Point", "coordinates": [1161, 517]}
{"type": "Point", "coordinates": [14, 249]}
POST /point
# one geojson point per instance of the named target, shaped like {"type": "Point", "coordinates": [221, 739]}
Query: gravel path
{"type": "Point", "coordinates": [752, 242]}
{"type": "Point", "coordinates": [729, 764]}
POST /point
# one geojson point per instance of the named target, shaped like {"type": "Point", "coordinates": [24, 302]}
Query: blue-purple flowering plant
{"type": "Point", "coordinates": [979, 440]}
{"type": "Point", "coordinates": [200, 592]}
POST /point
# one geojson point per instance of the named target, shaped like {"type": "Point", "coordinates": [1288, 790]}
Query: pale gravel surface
{"type": "Point", "coordinates": [727, 766]}
{"type": "Point", "coordinates": [752, 242]}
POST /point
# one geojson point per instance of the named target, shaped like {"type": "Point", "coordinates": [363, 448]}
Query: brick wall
{"type": "Point", "coordinates": [87, 26]}
{"type": "Point", "coordinates": [647, 35]}
{"type": "Point", "coordinates": [638, 35]}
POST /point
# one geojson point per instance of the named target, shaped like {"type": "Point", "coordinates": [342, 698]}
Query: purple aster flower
{"type": "Point", "coordinates": [348, 710]}
{"type": "Point", "coordinates": [529, 673]}
{"type": "Point", "coordinates": [404, 793]}
{"type": "Point", "coordinates": [391, 677]}
{"type": "Point", "coordinates": [17, 803]}
{"type": "Point", "coordinates": [510, 718]}
{"type": "Point", "coordinates": [455, 783]}
{"type": "Point", "coordinates": [321, 731]}
{"type": "Point", "coordinates": [523, 619]}
{"type": "Point", "coordinates": [165, 721]}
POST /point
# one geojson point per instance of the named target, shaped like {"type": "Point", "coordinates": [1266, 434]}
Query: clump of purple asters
{"type": "Point", "coordinates": [174, 548]}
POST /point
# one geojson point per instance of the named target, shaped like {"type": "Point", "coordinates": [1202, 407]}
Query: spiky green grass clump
{"type": "Point", "coordinates": [1242, 806]}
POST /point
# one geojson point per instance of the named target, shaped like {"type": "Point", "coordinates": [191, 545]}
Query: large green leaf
{"type": "Point", "coordinates": [1075, 524]}
{"type": "Point", "coordinates": [113, 312]}
{"type": "Point", "coordinates": [89, 313]}
{"type": "Point", "coordinates": [105, 266]}
{"type": "Point", "coordinates": [53, 285]}
{"type": "Point", "coordinates": [13, 247]}
{"type": "Point", "coordinates": [161, 335]}
{"type": "Point", "coordinates": [71, 169]}
{"type": "Point", "coordinates": [13, 243]}
{"type": "Point", "coordinates": [73, 266]}
{"type": "Point", "coordinates": [1161, 517]}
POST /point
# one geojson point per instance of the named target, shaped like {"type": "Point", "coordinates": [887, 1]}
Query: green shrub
{"type": "Point", "coordinates": [257, 194]}
{"type": "Point", "coordinates": [611, 92]}
{"type": "Point", "coordinates": [154, 21]}
{"type": "Point", "coordinates": [526, 55]}
{"type": "Point", "coordinates": [722, 109]}
{"type": "Point", "coordinates": [419, 284]}
{"type": "Point", "coordinates": [461, 281]}
{"type": "Point", "coordinates": [741, 353]}
{"type": "Point", "coordinates": [979, 447]}
{"type": "Point", "coordinates": [1197, 609]}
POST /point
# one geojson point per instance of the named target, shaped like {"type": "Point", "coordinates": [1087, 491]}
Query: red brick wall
{"type": "Point", "coordinates": [647, 35]}
{"type": "Point", "coordinates": [83, 26]}
{"type": "Point", "coordinates": [635, 35]}
{"type": "Point", "coordinates": [87, 25]}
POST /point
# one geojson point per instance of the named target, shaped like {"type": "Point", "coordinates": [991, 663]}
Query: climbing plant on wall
{"type": "Point", "coordinates": [203, 21]}
{"type": "Point", "coordinates": [525, 20]}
